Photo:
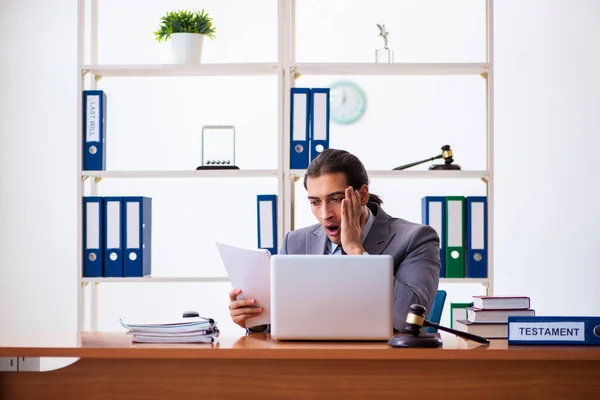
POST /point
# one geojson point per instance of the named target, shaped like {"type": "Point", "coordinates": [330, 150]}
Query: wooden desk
{"type": "Point", "coordinates": [256, 367]}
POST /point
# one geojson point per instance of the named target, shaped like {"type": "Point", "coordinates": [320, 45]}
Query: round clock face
{"type": "Point", "coordinates": [347, 102]}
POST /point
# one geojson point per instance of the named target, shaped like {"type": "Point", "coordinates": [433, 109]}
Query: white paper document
{"type": "Point", "coordinates": [249, 270]}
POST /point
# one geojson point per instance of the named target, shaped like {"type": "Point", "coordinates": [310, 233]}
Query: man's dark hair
{"type": "Point", "coordinates": [332, 161]}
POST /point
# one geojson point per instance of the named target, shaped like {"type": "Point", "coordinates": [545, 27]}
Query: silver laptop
{"type": "Point", "coordinates": [324, 297]}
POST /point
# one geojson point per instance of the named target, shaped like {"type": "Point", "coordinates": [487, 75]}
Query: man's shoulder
{"type": "Point", "coordinates": [296, 242]}
{"type": "Point", "coordinates": [408, 235]}
{"type": "Point", "coordinates": [302, 232]}
{"type": "Point", "coordinates": [409, 228]}
{"type": "Point", "coordinates": [399, 223]}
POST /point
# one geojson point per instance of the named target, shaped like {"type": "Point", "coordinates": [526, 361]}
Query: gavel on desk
{"type": "Point", "coordinates": [413, 336]}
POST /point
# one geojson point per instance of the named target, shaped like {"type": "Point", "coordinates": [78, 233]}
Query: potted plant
{"type": "Point", "coordinates": [186, 29]}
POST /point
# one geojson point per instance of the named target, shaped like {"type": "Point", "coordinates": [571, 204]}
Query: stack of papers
{"type": "Point", "coordinates": [189, 330]}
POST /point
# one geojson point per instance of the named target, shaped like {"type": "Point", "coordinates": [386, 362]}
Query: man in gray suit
{"type": "Point", "coordinates": [351, 221]}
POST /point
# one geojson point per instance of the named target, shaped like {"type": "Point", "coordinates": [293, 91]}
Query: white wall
{"type": "Point", "coordinates": [546, 219]}
{"type": "Point", "coordinates": [38, 176]}
{"type": "Point", "coordinates": [547, 136]}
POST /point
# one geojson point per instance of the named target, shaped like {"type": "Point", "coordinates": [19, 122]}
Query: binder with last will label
{"type": "Point", "coordinates": [137, 236]}
{"type": "Point", "coordinates": [94, 130]}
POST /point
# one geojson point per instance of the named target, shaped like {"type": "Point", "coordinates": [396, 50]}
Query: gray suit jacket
{"type": "Point", "coordinates": [415, 249]}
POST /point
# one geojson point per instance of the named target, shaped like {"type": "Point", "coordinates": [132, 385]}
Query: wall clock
{"type": "Point", "coordinates": [348, 102]}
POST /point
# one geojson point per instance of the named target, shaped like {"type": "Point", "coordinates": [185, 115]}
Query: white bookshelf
{"type": "Point", "coordinates": [390, 69]}
{"type": "Point", "coordinates": [407, 174]}
{"type": "Point", "coordinates": [231, 173]}
{"type": "Point", "coordinates": [251, 69]}
{"type": "Point", "coordinates": [377, 174]}
{"type": "Point", "coordinates": [216, 279]}
{"type": "Point", "coordinates": [157, 70]}
{"type": "Point", "coordinates": [287, 70]}
{"type": "Point", "coordinates": [159, 279]}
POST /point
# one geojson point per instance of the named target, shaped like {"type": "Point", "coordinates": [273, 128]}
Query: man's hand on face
{"type": "Point", "coordinates": [353, 222]}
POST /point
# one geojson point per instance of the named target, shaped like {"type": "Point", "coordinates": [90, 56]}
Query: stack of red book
{"type": "Point", "coordinates": [489, 315]}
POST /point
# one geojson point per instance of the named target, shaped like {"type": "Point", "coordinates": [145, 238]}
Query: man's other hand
{"type": "Point", "coordinates": [241, 310]}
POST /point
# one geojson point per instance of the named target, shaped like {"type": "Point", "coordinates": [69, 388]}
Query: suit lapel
{"type": "Point", "coordinates": [316, 241]}
{"type": "Point", "coordinates": [379, 236]}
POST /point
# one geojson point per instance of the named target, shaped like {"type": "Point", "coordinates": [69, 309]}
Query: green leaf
{"type": "Point", "coordinates": [185, 21]}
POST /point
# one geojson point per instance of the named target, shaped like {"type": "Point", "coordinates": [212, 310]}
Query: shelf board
{"type": "Point", "coordinates": [149, 279]}
{"type": "Point", "coordinates": [226, 173]}
{"type": "Point", "coordinates": [148, 70]}
{"type": "Point", "coordinates": [483, 281]}
{"type": "Point", "coordinates": [271, 173]}
{"type": "Point", "coordinates": [390, 69]}
{"type": "Point", "coordinates": [484, 175]}
{"type": "Point", "coordinates": [245, 69]}
{"type": "Point", "coordinates": [218, 279]}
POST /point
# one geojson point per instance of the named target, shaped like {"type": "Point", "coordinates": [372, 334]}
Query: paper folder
{"type": "Point", "coordinates": [93, 236]}
{"type": "Point", "coordinates": [476, 257]}
{"type": "Point", "coordinates": [319, 121]}
{"type": "Point", "coordinates": [433, 213]}
{"type": "Point", "coordinates": [299, 128]}
{"type": "Point", "coordinates": [137, 236]}
{"type": "Point", "coordinates": [94, 130]}
{"type": "Point", "coordinates": [113, 243]}
{"type": "Point", "coordinates": [458, 312]}
{"type": "Point", "coordinates": [267, 222]}
{"type": "Point", "coordinates": [551, 330]}
{"type": "Point", "coordinates": [455, 237]}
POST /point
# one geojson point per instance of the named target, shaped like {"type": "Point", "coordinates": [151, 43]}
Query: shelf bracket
{"type": "Point", "coordinates": [485, 179]}
{"type": "Point", "coordinates": [486, 285]}
{"type": "Point", "coordinates": [97, 78]}
{"type": "Point", "coordinates": [94, 306]}
{"type": "Point", "coordinates": [84, 72]}
{"type": "Point", "coordinates": [293, 72]}
{"type": "Point", "coordinates": [484, 75]}
{"type": "Point", "coordinates": [96, 179]}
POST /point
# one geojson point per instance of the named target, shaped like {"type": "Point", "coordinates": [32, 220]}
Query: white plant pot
{"type": "Point", "coordinates": [186, 47]}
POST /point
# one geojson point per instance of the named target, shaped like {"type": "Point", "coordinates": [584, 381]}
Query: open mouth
{"type": "Point", "coordinates": [332, 230]}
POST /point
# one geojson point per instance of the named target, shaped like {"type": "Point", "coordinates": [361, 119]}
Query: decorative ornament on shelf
{"type": "Point", "coordinates": [186, 29]}
{"type": "Point", "coordinates": [384, 55]}
{"type": "Point", "coordinates": [446, 155]}
{"type": "Point", "coordinates": [218, 147]}
{"type": "Point", "coordinates": [348, 102]}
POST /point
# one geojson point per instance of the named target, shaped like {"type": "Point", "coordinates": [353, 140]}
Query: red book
{"type": "Point", "coordinates": [501, 302]}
